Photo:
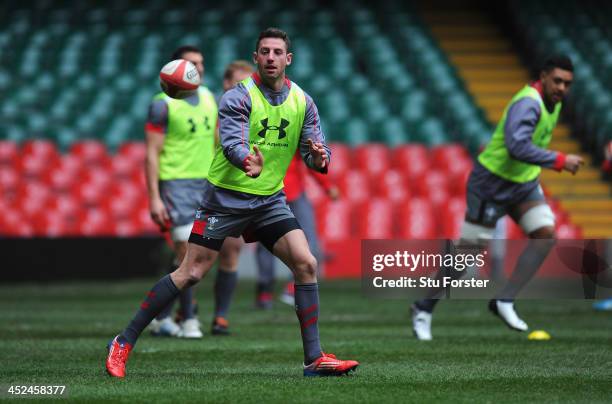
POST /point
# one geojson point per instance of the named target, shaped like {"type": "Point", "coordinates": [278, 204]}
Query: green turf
{"type": "Point", "coordinates": [57, 335]}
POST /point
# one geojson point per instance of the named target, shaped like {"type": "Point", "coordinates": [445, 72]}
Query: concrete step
{"type": "Point", "coordinates": [501, 60]}
{"type": "Point", "coordinates": [597, 231]}
{"type": "Point", "coordinates": [476, 74]}
{"type": "Point", "coordinates": [579, 189]}
{"type": "Point", "coordinates": [585, 174]}
{"type": "Point", "coordinates": [601, 205]}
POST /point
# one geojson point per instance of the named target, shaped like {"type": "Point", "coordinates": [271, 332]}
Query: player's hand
{"type": "Point", "coordinates": [318, 153]}
{"type": "Point", "coordinates": [333, 193]}
{"type": "Point", "coordinates": [159, 214]}
{"type": "Point", "coordinates": [573, 163]}
{"type": "Point", "coordinates": [254, 163]}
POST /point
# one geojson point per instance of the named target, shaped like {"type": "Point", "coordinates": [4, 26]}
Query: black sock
{"type": "Point", "coordinates": [158, 297]}
{"type": "Point", "coordinates": [186, 299]}
{"type": "Point", "coordinates": [426, 304]}
{"type": "Point", "coordinates": [167, 311]}
{"type": "Point", "coordinates": [224, 289]}
{"type": "Point", "coordinates": [307, 309]}
{"type": "Point", "coordinates": [527, 265]}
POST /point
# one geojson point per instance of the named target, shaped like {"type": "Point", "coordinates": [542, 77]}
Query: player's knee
{"type": "Point", "coordinates": [307, 266]}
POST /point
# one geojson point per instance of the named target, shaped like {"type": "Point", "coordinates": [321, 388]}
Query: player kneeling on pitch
{"type": "Point", "coordinates": [263, 120]}
{"type": "Point", "coordinates": [505, 180]}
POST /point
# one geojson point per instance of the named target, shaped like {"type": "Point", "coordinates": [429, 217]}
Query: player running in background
{"type": "Point", "coordinates": [606, 167]}
{"type": "Point", "coordinates": [505, 180]}
{"type": "Point", "coordinates": [180, 142]}
{"type": "Point", "coordinates": [262, 122]}
{"type": "Point", "coordinates": [295, 192]}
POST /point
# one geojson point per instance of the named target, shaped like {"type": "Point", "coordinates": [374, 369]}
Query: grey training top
{"type": "Point", "coordinates": [521, 121]}
{"type": "Point", "coordinates": [234, 112]}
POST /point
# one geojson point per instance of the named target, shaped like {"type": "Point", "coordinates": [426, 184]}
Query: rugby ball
{"type": "Point", "coordinates": [179, 79]}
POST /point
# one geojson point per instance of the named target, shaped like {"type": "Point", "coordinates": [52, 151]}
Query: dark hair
{"type": "Point", "coordinates": [273, 33]}
{"type": "Point", "coordinates": [236, 66]}
{"type": "Point", "coordinates": [180, 51]}
{"type": "Point", "coordinates": [562, 62]}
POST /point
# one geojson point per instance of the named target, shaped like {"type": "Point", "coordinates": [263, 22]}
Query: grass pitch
{"type": "Point", "coordinates": [57, 335]}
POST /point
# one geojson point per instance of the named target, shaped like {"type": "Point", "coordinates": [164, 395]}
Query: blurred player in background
{"type": "Point", "coordinates": [505, 180]}
{"type": "Point", "coordinates": [295, 192]}
{"type": "Point", "coordinates": [180, 142]}
{"type": "Point", "coordinates": [606, 167]}
{"type": "Point", "coordinates": [262, 122]}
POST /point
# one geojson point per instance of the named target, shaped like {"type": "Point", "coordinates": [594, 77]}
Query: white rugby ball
{"type": "Point", "coordinates": [179, 78]}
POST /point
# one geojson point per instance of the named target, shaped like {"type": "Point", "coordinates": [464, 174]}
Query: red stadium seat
{"type": "Point", "coordinates": [14, 224]}
{"type": "Point", "coordinates": [34, 166]}
{"type": "Point", "coordinates": [433, 185]}
{"type": "Point", "coordinates": [8, 152]}
{"type": "Point", "coordinates": [355, 187]}
{"type": "Point", "coordinates": [372, 158]}
{"type": "Point", "coordinates": [94, 222]}
{"type": "Point", "coordinates": [133, 150]}
{"type": "Point", "coordinates": [89, 193]}
{"type": "Point", "coordinates": [98, 176]}
{"type": "Point", "coordinates": [44, 149]}
{"type": "Point", "coordinates": [412, 160]}
{"type": "Point", "coordinates": [335, 222]}
{"type": "Point", "coordinates": [59, 180]}
{"type": "Point", "coordinates": [126, 227]}
{"type": "Point", "coordinates": [446, 155]}
{"type": "Point", "coordinates": [314, 192]}
{"type": "Point", "coordinates": [123, 166]}
{"type": "Point", "coordinates": [451, 218]}
{"type": "Point", "coordinates": [32, 198]}
{"type": "Point", "coordinates": [375, 220]}
{"type": "Point", "coordinates": [417, 220]}
{"type": "Point", "coordinates": [9, 180]}
{"type": "Point", "coordinates": [340, 160]}
{"type": "Point", "coordinates": [52, 225]}
{"type": "Point", "coordinates": [145, 223]}
{"type": "Point", "coordinates": [392, 186]}
{"type": "Point", "coordinates": [65, 205]}
{"type": "Point", "coordinates": [90, 151]}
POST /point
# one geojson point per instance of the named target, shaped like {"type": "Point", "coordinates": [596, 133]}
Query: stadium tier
{"type": "Point", "coordinates": [383, 82]}
{"type": "Point", "coordinates": [89, 192]}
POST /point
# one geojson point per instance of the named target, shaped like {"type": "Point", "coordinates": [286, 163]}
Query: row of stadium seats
{"type": "Point", "coordinates": [580, 30]}
{"type": "Point", "coordinates": [406, 192]}
{"type": "Point", "coordinates": [69, 72]}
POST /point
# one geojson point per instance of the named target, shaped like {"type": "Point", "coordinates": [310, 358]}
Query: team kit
{"type": "Point", "coordinates": [215, 172]}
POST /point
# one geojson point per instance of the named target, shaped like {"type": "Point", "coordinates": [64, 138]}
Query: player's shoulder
{"type": "Point", "coordinates": [234, 96]}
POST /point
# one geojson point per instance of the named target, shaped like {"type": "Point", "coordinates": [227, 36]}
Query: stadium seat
{"type": "Point", "coordinates": [8, 152]}
{"type": "Point", "coordinates": [374, 220]}
{"type": "Point", "coordinates": [417, 220]}
{"type": "Point", "coordinates": [355, 187]}
{"type": "Point", "coordinates": [9, 179]}
{"type": "Point", "coordinates": [92, 152]}
{"type": "Point", "coordinates": [340, 160]}
{"type": "Point", "coordinates": [392, 186]}
{"type": "Point", "coordinates": [334, 224]}
{"type": "Point", "coordinates": [133, 150]}
{"type": "Point", "coordinates": [316, 195]}
{"type": "Point", "coordinates": [43, 149]}
{"type": "Point", "coordinates": [412, 160]}
{"type": "Point", "coordinates": [371, 158]}
{"type": "Point", "coordinates": [451, 219]}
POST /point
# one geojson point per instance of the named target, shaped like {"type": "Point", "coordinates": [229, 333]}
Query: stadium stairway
{"type": "Point", "coordinates": [493, 72]}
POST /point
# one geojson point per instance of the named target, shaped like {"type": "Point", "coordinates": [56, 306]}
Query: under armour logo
{"type": "Point", "coordinates": [281, 129]}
